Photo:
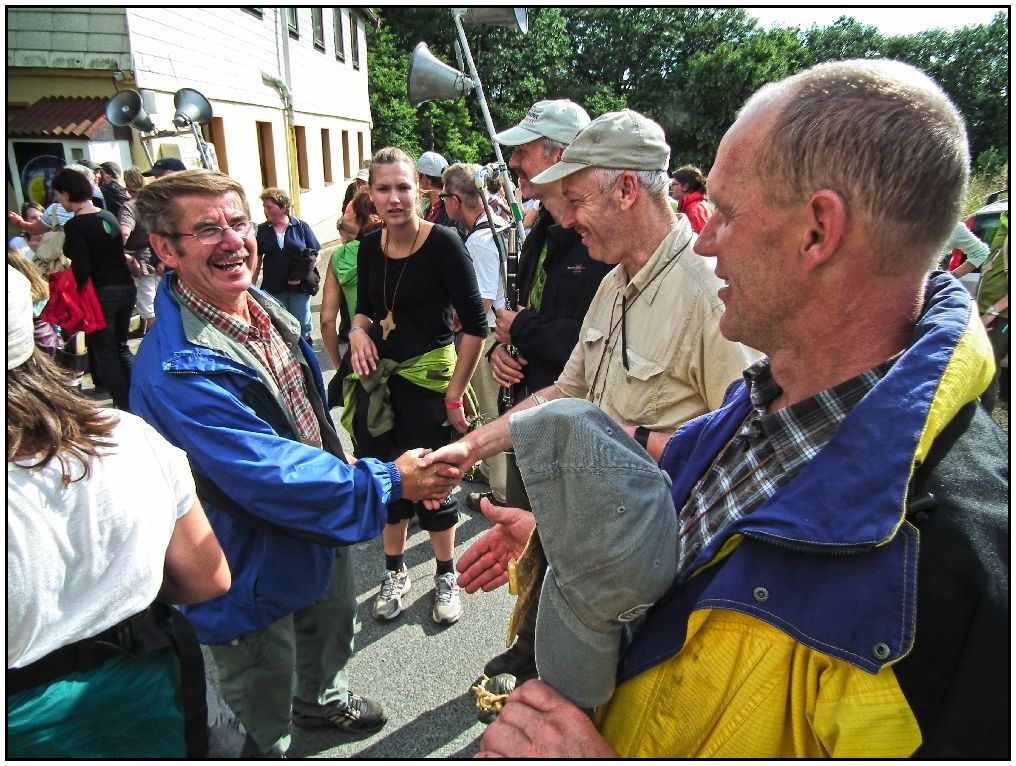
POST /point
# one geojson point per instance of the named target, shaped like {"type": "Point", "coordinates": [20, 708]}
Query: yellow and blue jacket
{"type": "Point", "coordinates": [863, 610]}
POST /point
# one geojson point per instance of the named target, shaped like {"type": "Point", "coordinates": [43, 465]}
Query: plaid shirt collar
{"type": "Point", "coordinates": [262, 339]}
{"type": "Point", "coordinates": [235, 328]}
{"type": "Point", "coordinates": [766, 453]}
{"type": "Point", "coordinates": [797, 432]}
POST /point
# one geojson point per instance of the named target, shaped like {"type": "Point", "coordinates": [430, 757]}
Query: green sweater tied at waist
{"type": "Point", "coordinates": [432, 371]}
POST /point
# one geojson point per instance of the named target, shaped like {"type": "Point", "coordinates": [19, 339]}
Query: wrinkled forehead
{"type": "Point", "coordinates": [743, 148]}
{"type": "Point", "coordinates": [195, 210]}
{"type": "Point", "coordinates": [579, 183]}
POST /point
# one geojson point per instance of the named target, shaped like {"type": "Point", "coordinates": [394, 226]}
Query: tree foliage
{"type": "Point", "coordinates": [688, 68]}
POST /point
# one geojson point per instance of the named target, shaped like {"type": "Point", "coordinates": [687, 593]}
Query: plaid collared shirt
{"type": "Point", "coordinates": [264, 342]}
{"type": "Point", "coordinates": [767, 451]}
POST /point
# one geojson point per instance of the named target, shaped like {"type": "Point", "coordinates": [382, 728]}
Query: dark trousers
{"type": "Point", "coordinates": [998, 334]}
{"type": "Point", "coordinates": [113, 360]}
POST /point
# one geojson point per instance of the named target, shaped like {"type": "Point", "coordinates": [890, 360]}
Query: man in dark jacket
{"type": "Point", "coordinates": [841, 586]}
{"type": "Point", "coordinates": [557, 281]}
{"type": "Point", "coordinates": [108, 177]}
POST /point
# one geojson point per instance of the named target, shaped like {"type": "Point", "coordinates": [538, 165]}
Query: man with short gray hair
{"type": "Point", "coordinates": [649, 352]}
{"type": "Point", "coordinates": [464, 205]}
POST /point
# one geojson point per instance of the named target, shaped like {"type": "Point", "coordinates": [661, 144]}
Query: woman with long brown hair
{"type": "Point", "coordinates": [102, 520]}
{"type": "Point", "coordinates": [408, 387]}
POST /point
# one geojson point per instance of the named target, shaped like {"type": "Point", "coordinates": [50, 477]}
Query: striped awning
{"type": "Point", "coordinates": [61, 117]}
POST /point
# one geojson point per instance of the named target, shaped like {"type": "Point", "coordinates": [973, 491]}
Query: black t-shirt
{"type": "Point", "coordinates": [95, 247]}
{"type": "Point", "coordinates": [436, 278]}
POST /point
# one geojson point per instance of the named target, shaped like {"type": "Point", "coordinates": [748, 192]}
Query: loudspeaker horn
{"type": "Point", "coordinates": [495, 17]}
{"type": "Point", "coordinates": [192, 108]}
{"type": "Point", "coordinates": [126, 108]}
{"type": "Point", "coordinates": [430, 79]}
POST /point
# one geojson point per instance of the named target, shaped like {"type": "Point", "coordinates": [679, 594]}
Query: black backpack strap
{"type": "Point", "coordinates": [136, 635]}
{"type": "Point", "coordinates": [192, 682]}
{"type": "Point", "coordinates": [158, 627]}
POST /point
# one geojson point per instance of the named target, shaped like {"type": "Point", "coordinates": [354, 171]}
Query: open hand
{"type": "Point", "coordinates": [362, 352]}
{"type": "Point", "coordinates": [484, 565]}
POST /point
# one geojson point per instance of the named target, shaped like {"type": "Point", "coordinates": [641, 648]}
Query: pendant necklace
{"type": "Point", "coordinates": [388, 323]}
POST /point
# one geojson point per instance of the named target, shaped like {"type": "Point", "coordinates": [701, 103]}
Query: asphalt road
{"type": "Point", "coordinates": [420, 671]}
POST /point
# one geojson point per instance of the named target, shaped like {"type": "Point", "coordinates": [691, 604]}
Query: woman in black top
{"type": "Point", "coordinates": [411, 275]}
{"type": "Point", "coordinates": [283, 245]}
{"type": "Point", "coordinates": [94, 245]}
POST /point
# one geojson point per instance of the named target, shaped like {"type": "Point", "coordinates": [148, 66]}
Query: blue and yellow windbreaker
{"type": "Point", "coordinates": [794, 634]}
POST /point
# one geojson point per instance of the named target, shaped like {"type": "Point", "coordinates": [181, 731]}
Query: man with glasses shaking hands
{"type": "Point", "coordinates": [226, 376]}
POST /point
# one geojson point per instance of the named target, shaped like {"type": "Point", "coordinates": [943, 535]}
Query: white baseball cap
{"type": "Point", "coordinates": [558, 120]}
{"type": "Point", "coordinates": [431, 164]}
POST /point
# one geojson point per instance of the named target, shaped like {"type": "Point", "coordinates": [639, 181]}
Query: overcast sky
{"type": "Point", "coordinates": [900, 20]}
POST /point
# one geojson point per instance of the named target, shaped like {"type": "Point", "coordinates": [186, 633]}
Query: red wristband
{"type": "Point", "coordinates": [453, 405]}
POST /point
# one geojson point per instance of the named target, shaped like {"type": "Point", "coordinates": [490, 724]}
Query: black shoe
{"type": "Point", "coordinates": [519, 661]}
{"type": "Point", "coordinates": [358, 716]}
{"type": "Point", "coordinates": [473, 500]}
{"type": "Point", "coordinates": [491, 694]}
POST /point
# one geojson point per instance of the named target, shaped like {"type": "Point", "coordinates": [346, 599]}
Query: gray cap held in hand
{"type": "Point", "coordinates": [608, 527]}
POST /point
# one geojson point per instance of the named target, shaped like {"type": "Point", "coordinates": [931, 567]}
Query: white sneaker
{"type": "Point", "coordinates": [394, 586]}
{"type": "Point", "coordinates": [447, 606]}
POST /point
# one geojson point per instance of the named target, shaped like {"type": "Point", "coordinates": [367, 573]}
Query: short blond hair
{"type": "Point", "coordinates": [276, 195]}
{"type": "Point", "coordinates": [882, 134]}
{"type": "Point", "coordinates": [458, 179]}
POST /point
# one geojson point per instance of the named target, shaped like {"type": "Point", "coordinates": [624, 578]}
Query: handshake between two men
{"type": "Point", "coordinates": [429, 475]}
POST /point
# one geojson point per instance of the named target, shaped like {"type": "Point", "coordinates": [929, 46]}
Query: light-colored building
{"type": "Point", "coordinates": [287, 87]}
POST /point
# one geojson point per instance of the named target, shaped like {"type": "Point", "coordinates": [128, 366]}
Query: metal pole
{"type": "Point", "coordinates": [501, 166]}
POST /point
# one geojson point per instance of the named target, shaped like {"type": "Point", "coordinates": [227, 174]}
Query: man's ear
{"type": "Point", "coordinates": [825, 219]}
{"type": "Point", "coordinates": [628, 186]}
{"type": "Point", "coordinates": [165, 249]}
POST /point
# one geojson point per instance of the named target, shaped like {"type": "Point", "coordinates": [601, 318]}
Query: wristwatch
{"type": "Point", "coordinates": [641, 435]}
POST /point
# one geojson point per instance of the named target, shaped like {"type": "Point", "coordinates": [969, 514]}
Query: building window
{"type": "Point", "coordinates": [294, 23]}
{"type": "Point", "coordinates": [345, 155]}
{"type": "Point", "coordinates": [354, 41]}
{"type": "Point", "coordinates": [255, 12]}
{"type": "Point", "coordinates": [359, 148]}
{"type": "Point", "coordinates": [340, 36]}
{"type": "Point", "coordinates": [326, 154]}
{"type": "Point", "coordinates": [214, 134]}
{"type": "Point", "coordinates": [318, 25]}
{"type": "Point", "coordinates": [301, 157]}
{"type": "Point", "coordinates": [266, 151]}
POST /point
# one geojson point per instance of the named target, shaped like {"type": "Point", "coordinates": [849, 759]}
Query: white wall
{"type": "Point", "coordinates": [222, 52]}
